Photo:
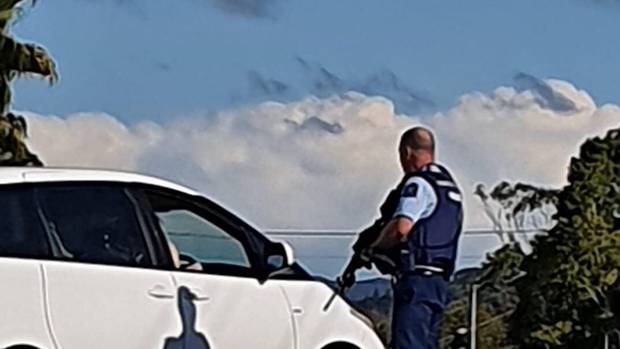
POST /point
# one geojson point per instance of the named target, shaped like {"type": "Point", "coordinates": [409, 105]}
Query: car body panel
{"type": "Point", "coordinates": [239, 312]}
{"type": "Point", "coordinates": [317, 326]}
{"type": "Point", "coordinates": [23, 305]}
{"type": "Point", "coordinates": [88, 175]}
{"type": "Point", "coordinates": [101, 307]}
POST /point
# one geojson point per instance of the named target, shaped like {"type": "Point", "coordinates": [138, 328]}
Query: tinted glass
{"type": "Point", "coordinates": [93, 224]}
{"type": "Point", "coordinates": [21, 234]}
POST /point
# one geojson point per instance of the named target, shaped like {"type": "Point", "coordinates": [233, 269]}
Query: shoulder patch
{"type": "Point", "coordinates": [411, 190]}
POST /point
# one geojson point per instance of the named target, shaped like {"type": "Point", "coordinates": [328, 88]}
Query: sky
{"type": "Point", "coordinates": [148, 59]}
{"type": "Point", "coordinates": [289, 112]}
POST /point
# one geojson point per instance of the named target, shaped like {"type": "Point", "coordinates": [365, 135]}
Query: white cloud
{"type": "Point", "coordinates": [85, 139]}
{"type": "Point", "coordinates": [280, 174]}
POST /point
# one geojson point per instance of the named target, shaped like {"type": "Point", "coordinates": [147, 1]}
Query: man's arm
{"type": "Point", "coordinates": [417, 200]}
{"type": "Point", "coordinates": [396, 231]}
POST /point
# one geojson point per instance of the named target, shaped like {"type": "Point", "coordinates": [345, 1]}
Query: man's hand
{"type": "Point", "coordinates": [360, 259]}
{"type": "Point", "coordinates": [346, 280]}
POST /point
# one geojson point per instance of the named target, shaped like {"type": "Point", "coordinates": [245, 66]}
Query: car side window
{"type": "Point", "coordinates": [21, 232]}
{"type": "Point", "coordinates": [93, 224]}
{"type": "Point", "coordinates": [198, 234]}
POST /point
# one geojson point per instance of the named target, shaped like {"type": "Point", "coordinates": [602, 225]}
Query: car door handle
{"type": "Point", "coordinates": [160, 292]}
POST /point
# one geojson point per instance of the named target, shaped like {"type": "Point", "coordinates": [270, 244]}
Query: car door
{"type": "Point", "coordinates": [227, 305]}
{"type": "Point", "coordinates": [22, 244]}
{"type": "Point", "coordinates": [104, 290]}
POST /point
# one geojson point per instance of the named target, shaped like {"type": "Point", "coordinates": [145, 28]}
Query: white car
{"type": "Point", "coordinates": [101, 259]}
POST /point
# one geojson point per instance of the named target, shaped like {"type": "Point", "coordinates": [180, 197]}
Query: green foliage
{"type": "Point", "coordinates": [497, 298]}
{"type": "Point", "coordinates": [13, 150]}
{"type": "Point", "coordinates": [552, 334]}
{"type": "Point", "coordinates": [572, 273]}
{"type": "Point", "coordinates": [492, 331]}
{"type": "Point", "coordinates": [16, 59]}
{"type": "Point", "coordinates": [502, 266]}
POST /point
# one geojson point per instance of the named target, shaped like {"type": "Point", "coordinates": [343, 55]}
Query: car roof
{"type": "Point", "coordinates": [17, 175]}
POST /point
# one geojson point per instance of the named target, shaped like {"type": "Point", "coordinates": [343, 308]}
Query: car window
{"type": "Point", "coordinates": [92, 224]}
{"type": "Point", "coordinates": [194, 233]}
{"type": "Point", "coordinates": [21, 233]}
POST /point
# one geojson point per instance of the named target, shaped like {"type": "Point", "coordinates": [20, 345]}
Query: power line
{"type": "Point", "coordinates": [344, 256]}
{"type": "Point", "coordinates": [348, 233]}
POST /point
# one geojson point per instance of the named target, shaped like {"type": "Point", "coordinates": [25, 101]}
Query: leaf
{"type": "Point", "coordinates": [611, 277]}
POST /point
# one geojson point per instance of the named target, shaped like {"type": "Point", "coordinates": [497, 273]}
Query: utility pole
{"type": "Point", "coordinates": [606, 343]}
{"type": "Point", "coordinates": [473, 308]}
{"type": "Point", "coordinates": [607, 339]}
{"type": "Point", "coordinates": [473, 313]}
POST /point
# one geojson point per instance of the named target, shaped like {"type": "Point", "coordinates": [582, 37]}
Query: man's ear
{"type": "Point", "coordinates": [408, 152]}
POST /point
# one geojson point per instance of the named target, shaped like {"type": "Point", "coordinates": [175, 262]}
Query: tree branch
{"type": "Point", "coordinates": [21, 58]}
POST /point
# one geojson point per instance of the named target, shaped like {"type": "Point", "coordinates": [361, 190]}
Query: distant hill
{"type": "Point", "coordinates": [379, 287]}
{"type": "Point", "coordinates": [363, 289]}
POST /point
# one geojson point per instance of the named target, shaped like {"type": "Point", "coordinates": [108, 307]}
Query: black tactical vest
{"type": "Point", "coordinates": [433, 240]}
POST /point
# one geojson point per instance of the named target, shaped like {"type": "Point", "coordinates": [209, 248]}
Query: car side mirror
{"type": "Point", "coordinates": [279, 256]}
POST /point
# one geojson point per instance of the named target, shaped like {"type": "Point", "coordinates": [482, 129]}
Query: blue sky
{"type": "Point", "coordinates": [181, 91]}
{"type": "Point", "coordinates": [139, 59]}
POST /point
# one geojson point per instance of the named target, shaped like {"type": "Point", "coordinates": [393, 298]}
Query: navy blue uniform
{"type": "Point", "coordinates": [432, 200]}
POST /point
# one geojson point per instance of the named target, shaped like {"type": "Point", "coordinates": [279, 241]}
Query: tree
{"type": "Point", "coordinates": [511, 208]}
{"type": "Point", "coordinates": [17, 59]}
{"type": "Point", "coordinates": [517, 207]}
{"type": "Point", "coordinates": [568, 299]}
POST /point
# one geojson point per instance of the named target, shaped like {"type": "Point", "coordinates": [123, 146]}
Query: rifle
{"type": "Point", "coordinates": [384, 261]}
{"type": "Point", "coordinates": [363, 258]}
{"type": "Point", "coordinates": [346, 279]}
{"type": "Point", "coordinates": [357, 261]}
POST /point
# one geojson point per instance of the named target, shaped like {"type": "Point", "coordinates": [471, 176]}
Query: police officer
{"type": "Point", "coordinates": [423, 236]}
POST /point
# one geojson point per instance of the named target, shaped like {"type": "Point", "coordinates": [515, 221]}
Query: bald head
{"type": "Point", "coordinates": [417, 148]}
{"type": "Point", "coordinates": [419, 138]}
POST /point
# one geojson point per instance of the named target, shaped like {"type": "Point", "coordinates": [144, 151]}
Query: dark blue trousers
{"type": "Point", "coordinates": [419, 302]}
